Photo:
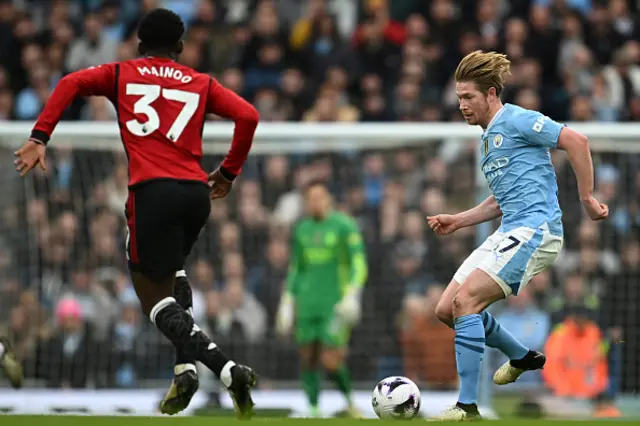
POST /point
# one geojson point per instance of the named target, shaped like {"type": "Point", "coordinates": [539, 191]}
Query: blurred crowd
{"type": "Point", "coordinates": [65, 297]}
{"type": "Point", "coordinates": [341, 60]}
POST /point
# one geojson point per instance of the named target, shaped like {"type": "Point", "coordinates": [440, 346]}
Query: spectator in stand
{"type": "Point", "coordinates": [241, 309]}
{"type": "Point", "coordinates": [6, 105]}
{"type": "Point", "coordinates": [406, 272]}
{"type": "Point", "coordinates": [575, 292]}
{"type": "Point", "coordinates": [98, 309]}
{"type": "Point", "coordinates": [620, 312]}
{"type": "Point", "coordinates": [428, 344]}
{"type": "Point", "coordinates": [623, 76]}
{"type": "Point", "coordinates": [123, 338]}
{"type": "Point", "coordinates": [267, 280]}
{"type": "Point", "coordinates": [267, 53]}
{"type": "Point", "coordinates": [376, 45]}
{"type": "Point", "coordinates": [94, 48]}
{"type": "Point", "coordinates": [23, 333]}
{"type": "Point", "coordinates": [67, 358]}
{"type": "Point", "coordinates": [576, 358]}
{"type": "Point", "coordinates": [117, 188]}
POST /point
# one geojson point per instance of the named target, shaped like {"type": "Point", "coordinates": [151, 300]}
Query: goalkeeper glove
{"type": "Point", "coordinates": [349, 308]}
{"type": "Point", "coordinates": [284, 318]}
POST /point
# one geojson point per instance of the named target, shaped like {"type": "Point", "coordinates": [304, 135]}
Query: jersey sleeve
{"type": "Point", "coordinates": [296, 263]}
{"type": "Point", "coordinates": [94, 81]}
{"type": "Point", "coordinates": [356, 251]}
{"type": "Point", "coordinates": [537, 129]}
{"type": "Point", "coordinates": [227, 104]}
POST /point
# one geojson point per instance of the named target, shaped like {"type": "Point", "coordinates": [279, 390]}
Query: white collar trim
{"type": "Point", "coordinates": [495, 117]}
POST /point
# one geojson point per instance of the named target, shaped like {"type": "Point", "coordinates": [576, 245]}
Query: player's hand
{"type": "Point", "coordinates": [220, 186]}
{"type": "Point", "coordinates": [443, 224]}
{"type": "Point", "coordinates": [349, 308]}
{"type": "Point", "coordinates": [32, 154]}
{"type": "Point", "coordinates": [595, 209]}
{"type": "Point", "coordinates": [285, 316]}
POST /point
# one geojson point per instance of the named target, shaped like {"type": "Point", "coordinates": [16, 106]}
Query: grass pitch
{"type": "Point", "coordinates": [8, 420]}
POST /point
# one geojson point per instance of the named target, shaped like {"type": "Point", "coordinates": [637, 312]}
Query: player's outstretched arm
{"type": "Point", "coordinates": [97, 81]}
{"type": "Point", "coordinates": [445, 224]}
{"type": "Point", "coordinates": [577, 147]}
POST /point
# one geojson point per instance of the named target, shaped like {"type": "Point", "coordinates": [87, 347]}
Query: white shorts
{"type": "Point", "coordinates": [512, 258]}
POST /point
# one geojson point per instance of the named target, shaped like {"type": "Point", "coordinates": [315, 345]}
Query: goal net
{"type": "Point", "coordinates": [67, 304]}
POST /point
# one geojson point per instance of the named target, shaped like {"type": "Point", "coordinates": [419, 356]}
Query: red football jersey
{"type": "Point", "coordinates": [161, 108]}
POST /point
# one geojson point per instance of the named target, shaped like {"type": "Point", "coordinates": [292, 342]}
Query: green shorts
{"type": "Point", "coordinates": [326, 330]}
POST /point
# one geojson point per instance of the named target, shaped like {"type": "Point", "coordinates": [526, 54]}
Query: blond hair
{"type": "Point", "coordinates": [485, 69]}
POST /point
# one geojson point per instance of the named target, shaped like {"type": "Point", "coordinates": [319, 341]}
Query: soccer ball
{"type": "Point", "coordinates": [396, 397]}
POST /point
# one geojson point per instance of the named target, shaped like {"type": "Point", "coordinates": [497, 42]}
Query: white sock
{"type": "Point", "coordinates": [181, 368]}
{"type": "Point", "coordinates": [160, 306]}
{"type": "Point", "coordinates": [225, 374]}
{"type": "Point", "coordinates": [1, 350]}
{"type": "Point", "coordinates": [181, 274]}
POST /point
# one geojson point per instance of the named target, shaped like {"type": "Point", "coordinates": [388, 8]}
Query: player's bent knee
{"type": "Point", "coordinates": [465, 304]}
{"type": "Point", "coordinates": [474, 299]}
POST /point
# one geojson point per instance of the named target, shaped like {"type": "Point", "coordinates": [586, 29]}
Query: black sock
{"type": "Point", "coordinates": [524, 362]}
{"type": "Point", "coordinates": [183, 295]}
{"type": "Point", "coordinates": [469, 408]}
{"type": "Point", "coordinates": [179, 327]}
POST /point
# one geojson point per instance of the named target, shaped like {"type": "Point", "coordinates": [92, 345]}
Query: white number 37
{"type": "Point", "coordinates": [151, 92]}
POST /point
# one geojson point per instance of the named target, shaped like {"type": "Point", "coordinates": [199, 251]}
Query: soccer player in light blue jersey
{"type": "Point", "coordinates": [516, 162]}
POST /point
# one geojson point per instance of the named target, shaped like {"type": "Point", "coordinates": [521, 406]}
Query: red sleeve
{"type": "Point", "coordinates": [95, 81]}
{"type": "Point", "coordinates": [225, 103]}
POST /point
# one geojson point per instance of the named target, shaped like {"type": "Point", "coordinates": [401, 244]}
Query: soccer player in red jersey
{"type": "Point", "coordinates": [161, 107]}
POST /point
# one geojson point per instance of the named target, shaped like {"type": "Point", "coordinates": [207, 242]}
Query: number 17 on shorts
{"type": "Point", "coordinates": [512, 258]}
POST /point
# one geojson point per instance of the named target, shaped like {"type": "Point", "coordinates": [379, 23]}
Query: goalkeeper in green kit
{"type": "Point", "coordinates": [323, 294]}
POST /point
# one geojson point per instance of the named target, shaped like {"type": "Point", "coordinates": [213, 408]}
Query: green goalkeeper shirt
{"type": "Point", "coordinates": [327, 257]}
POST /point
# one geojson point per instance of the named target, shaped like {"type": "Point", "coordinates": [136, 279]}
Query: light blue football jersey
{"type": "Point", "coordinates": [516, 161]}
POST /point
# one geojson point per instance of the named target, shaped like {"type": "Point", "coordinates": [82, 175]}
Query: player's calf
{"type": "Point", "coordinates": [499, 337]}
{"type": "Point", "coordinates": [478, 292]}
{"type": "Point", "coordinates": [310, 360]}
{"type": "Point", "coordinates": [184, 296]}
{"type": "Point", "coordinates": [185, 382]}
{"type": "Point", "coordinates": [333, 361]}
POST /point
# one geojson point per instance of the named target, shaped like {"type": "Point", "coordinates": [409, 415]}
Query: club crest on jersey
{"type": "Point", "coordinates": [485, 147]}
{"type": "Point", "coordinates": [497, 141]}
